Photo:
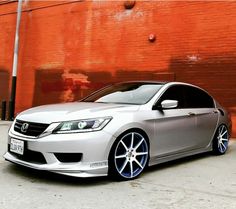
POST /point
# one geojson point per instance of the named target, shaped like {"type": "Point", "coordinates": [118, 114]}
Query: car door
{"type": "Point", "coordinates": [206, 115]}
{"type": "Point", "coordinates": [175, 128]}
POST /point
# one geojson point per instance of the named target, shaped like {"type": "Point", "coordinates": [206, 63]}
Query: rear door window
{"type": "Point", "coordinates": [197, 98]}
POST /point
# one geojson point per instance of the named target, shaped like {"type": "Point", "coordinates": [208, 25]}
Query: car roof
{"type": "Point", "coordinates": [145, 82]}
{"type": "Point", "coordinates": [159, 82]}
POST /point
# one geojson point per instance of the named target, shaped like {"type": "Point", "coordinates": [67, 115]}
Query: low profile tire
{"type": "Point", "coordinates": [221, 140]}
{"type": "Point", "coordinates": [129, 156]}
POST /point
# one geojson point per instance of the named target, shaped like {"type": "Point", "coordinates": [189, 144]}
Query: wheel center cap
{"type": "Point", "coordinates": [129, 154]}
{"type": "Point", "coordinates": [220, 139]}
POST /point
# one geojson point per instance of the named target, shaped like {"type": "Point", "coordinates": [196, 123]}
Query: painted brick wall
{"type": "Point", "coordinates": [69, 49]}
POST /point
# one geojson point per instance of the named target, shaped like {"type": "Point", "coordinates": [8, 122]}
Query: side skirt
{"type": "Point", "coordinates": [162, 159]}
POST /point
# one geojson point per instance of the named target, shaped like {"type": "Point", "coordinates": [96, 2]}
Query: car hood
{"type": "Point", "coordinates": [73, 111]}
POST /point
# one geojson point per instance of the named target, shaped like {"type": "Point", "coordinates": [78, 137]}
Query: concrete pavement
{"type": "Point", "coordinates": [203, 181]}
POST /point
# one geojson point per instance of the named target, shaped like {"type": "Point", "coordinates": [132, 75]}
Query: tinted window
{"type": "Point", "coordinates": [125, 93]}
{"type": "Point", "coordinates": [174, 93]}
{"type": "Point", "coordinates": [196, 98]}
{"type": "Point", "coordinates": [187, 97]}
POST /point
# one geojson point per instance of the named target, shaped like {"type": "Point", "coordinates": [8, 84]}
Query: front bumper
{"type": "Point", "coordinates": [94, 148]}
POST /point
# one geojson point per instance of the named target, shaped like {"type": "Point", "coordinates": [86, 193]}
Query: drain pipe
{"type": "Point", "coordinates": [15, 62]}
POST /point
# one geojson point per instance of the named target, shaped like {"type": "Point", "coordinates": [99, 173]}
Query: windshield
{"type": "Point", "coordinates": [125, 93]}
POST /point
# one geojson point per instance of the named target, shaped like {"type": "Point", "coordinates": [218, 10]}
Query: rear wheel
{"type": "Point", "coordinates": [129, 156]}
{"type": "Point", "coordinates": [221, 140]}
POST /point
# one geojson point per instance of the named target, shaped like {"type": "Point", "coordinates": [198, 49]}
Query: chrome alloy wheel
{"type": "Point", "coordinates": [131, 155]}
{"type": "Point", "coordinates": [222, 139]}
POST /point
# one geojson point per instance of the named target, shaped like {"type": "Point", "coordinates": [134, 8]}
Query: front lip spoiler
{"type": "Point", "coordinates": [69, 171]}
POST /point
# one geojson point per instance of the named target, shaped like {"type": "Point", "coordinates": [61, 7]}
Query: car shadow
{"type": "Point", "coordinates": [188, 159]}
{"type": "Point", "coordinates": [178, 162]}
{"type": "Point", "coordinates": [184, 160]}
{"type": "Point", "coordinates": [38, 176]}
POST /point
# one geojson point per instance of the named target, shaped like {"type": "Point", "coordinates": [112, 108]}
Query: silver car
{"type": "Point", "coordinates": [120, 130]}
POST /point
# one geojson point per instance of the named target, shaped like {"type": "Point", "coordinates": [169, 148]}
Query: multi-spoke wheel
{"type": "Point", "coordinates": [221, 140]}
{"type": "Point", "coordinates": [129, 155]}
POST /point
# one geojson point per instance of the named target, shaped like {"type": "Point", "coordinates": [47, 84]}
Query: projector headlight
{"type": "Point", "coordinates": [86, 125]}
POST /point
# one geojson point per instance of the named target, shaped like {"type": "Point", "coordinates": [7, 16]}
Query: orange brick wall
{"type": "Point", "coordinates": [68, 49]}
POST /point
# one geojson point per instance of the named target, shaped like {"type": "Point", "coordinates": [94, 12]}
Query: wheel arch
{"type": "Point", "coordinates": [128, 127]}
{"type": "Point", "coordinates": [139, 130]}
{"type": "Point", "coordinates": [217, 127]}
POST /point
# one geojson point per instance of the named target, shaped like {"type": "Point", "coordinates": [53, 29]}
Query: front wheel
{"type": "Point", "coordinates": [129, 156]}
{"type": "Point", "coordinates": [221, 140]}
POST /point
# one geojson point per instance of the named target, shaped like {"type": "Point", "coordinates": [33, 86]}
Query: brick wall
{"type": "Point", "coordinates": [68, 49]}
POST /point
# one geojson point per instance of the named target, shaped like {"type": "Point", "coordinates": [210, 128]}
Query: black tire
{"type": "Point", "coordinates": [221, 140]}
{"type": "Point", "coordinates": [129, 156]}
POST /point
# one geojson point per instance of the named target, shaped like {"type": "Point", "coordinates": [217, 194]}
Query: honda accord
{"type": "Point", "coordinates": [120, 130]}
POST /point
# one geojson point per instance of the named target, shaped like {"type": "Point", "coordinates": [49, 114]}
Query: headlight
{"type": "Point", "coordinates": [86, 125]}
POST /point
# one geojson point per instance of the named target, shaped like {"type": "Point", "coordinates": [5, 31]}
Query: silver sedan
{"type": "Point", "coordinates": [120, 130]}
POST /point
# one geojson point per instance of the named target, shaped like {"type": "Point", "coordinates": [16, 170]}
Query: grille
{"type": "Point", "coordinates": [30, 156]}
{"type": "Point", "coordinates": [34, 129]}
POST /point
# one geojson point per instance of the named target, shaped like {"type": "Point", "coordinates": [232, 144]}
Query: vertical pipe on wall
{"type": "Point", "coordinates": [3, 115]}
{"type": "Point", "coordinates": [15, 62]}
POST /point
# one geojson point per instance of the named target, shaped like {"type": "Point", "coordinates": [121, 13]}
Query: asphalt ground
{"type": "Point", "coordinates": [199, 182]}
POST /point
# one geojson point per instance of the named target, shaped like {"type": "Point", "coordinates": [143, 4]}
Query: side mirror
{"type": "Point", "coordinates": [169, 104]}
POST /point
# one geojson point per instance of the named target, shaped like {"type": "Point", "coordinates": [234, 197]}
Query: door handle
{"type": "Point", "coordinates": [191, 114]}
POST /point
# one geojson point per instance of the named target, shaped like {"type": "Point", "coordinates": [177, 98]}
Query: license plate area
{"type": "Point", "coordinates": [17, 146]}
